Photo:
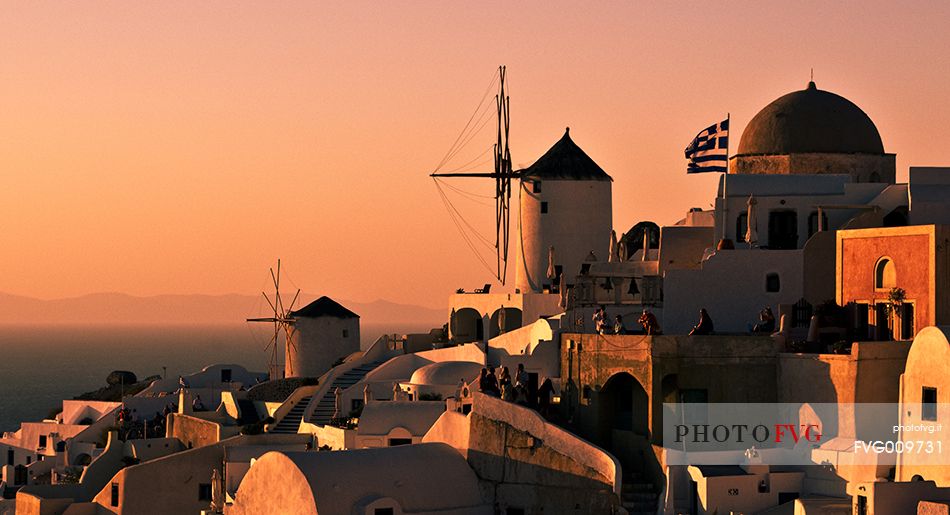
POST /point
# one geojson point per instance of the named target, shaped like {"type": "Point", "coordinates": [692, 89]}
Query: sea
{"type": "Point", "coordinates": [42, 365]}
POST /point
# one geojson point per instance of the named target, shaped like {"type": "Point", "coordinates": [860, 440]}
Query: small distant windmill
{"type": "Point", "coordinates": [283, 321]}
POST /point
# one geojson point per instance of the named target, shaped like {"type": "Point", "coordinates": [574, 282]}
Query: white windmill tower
{"type": "Point", "coordinates": [283, 321]}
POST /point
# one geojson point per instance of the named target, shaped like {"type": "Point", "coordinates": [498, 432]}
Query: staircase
{"type": "Point", "coordinates": [327, 405]}
{"type": "Point", "coordinates": [291, 421]}
{"type": "Point", "coordinates": [638, 496]}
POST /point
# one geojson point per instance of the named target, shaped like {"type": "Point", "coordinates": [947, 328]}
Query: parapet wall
{"type": "Point", "coordinates": [521, 460]}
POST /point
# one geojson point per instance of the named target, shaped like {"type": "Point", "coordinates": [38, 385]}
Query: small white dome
{"type": "Point", "coordinates": [446, 373]}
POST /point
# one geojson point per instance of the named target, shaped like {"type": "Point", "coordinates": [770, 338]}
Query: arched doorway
{"type": "Point", "coordinates": [624, 405]}
{"type": "Point", "coordinates": [512, 321]}
{"type": "Point", "coordinates": [467, 326]}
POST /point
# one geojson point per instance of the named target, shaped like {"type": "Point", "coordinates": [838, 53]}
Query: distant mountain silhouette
{"type": "Point", "coordinates": [120, 308]}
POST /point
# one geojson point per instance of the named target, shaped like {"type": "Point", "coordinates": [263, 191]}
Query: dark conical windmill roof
{"type": "Point", "coordinates": [324, 307]}
{"type": "Point", "coordinates": [567, 162]}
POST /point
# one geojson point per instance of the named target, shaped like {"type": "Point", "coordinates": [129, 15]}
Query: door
{"type": "Point", "coordinates": [783, 230]}
{"type": "Point", "coordinates": [882, 319]}
{"type": "Point", "coordinates": [861, 324]}
{"type": "Point", "coordinates": [862, 507]}
{"type": "Point", "coordinates": [907, 321]}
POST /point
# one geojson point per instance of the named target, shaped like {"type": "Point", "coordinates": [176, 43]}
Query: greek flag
{"type": "Point", "coordinates": [709, 151]}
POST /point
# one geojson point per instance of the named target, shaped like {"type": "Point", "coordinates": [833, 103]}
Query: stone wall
{"type": "Point", "coordinates": [862, 167]}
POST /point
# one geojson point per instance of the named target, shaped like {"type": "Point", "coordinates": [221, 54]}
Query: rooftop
{"type": "Point", "coordinates": [324, 307]}
{"type": "Point", "coordinates": [567, 162]}
{"type": "Point", "coordinates": [811, 121]}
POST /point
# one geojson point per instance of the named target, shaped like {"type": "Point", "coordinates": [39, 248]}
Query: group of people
{"type": "Point", "coordinates": [647, 321]}
{"type": "Point", "coordinates": [131, 425]}
{"type": "Point", "coordinates": [516, 388]}
{"type": "Point", "coordinates": [602, 325]}
{"type": "Point", "coordinates": [651, 326]}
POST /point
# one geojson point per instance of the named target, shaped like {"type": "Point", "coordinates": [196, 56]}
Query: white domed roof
{"type": "Point", "coordinates": [446, 373]}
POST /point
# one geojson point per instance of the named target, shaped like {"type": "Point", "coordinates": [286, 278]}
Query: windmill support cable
{"type": "Point", "coordinates": [482, 123]}
{"type": "Point", "coordinates": [458, 215]}
{"type": "Point", "coordinates": [472, 161]}
{"type": "Point", "coordinates": [469, 123]}
{"type": "Point", "coordinates": [502, 175]}
{"type": "Point", "coordinates": [465, 236]}
{"type": "Point", "coordinates": [465, 193]}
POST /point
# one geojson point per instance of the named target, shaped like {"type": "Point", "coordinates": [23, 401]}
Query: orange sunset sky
{"type": "Point", "coordinates": [182, 147]}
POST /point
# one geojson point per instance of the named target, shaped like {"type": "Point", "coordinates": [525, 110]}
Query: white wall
{"type": "Point", "coordinates": [317, 343]}
{"type": "Point", "coordinates": [731, 286]}
{"type": "Point", "coordinates": [578, 220]}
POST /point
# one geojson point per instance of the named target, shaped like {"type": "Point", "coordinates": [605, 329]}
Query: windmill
{"type": "Point", "coordinates": [283, 321]}
{"type": "Point", "coordinates": [502, 174]}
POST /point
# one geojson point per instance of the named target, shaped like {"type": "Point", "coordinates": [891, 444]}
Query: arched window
{"type": "Point", "coordinates": [885, 275]}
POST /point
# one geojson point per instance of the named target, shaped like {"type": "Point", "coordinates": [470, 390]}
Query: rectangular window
{"type": "Point", "coordinates": [383, 511]}
{"type": "Point", "coordinates": [225, 375]}
{"type": "Point", "coordinates": [773, 284]}
{"type": "Point", "coordinates": [204, 491]}
{"type": "Point", "coordinates": [393, 442]}
{"type": "Point", "coordinates": [544, 207]}
{"type": "Point", "coordinates": [928, 403]}
{"type": "Point", "coordinates": [536, 187]}
{"type": "Point", "coordinates": [42, 442]}
{"type": "Point", "coordinates": [114, 498]}
{"type": "Point", "coordinates": [346, 333]}
{"type": "Point", "coordinates": [10, 456]}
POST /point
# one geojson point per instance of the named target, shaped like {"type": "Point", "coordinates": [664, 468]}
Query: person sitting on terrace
{"type": "Point", "coordinates": [766, 322]}
{"type": "Point", "coordinates": [600, 319]}
{"type": "Point", "coordinates": [705, 325]}
{"type": "Point", "coordinates": [649, 323]}
{"type": "Point", "coordinates": [618, 325]}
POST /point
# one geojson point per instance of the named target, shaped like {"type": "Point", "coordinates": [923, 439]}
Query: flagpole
{"type": "Point", "coordinates": [725, 204]}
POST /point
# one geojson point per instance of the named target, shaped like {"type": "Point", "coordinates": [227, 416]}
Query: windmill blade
{"type": "Point", "coordinates": [276, 279]}
{"type": "Point", "coordinates": [269, 303]}
{"type": "Point", "coordinates": [273, 340]}
{"type": "Point", "coordinates": [288, 344]}
{"type": "Point", "coordinates": [288, 334]}
{"type": "Point", "coordinates": [267, 319]}
{"type": "Point", "coordinates": [291, 308]}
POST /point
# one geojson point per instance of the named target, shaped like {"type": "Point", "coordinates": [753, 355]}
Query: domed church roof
{"type": "Point", "coordinates": [811, 121]}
